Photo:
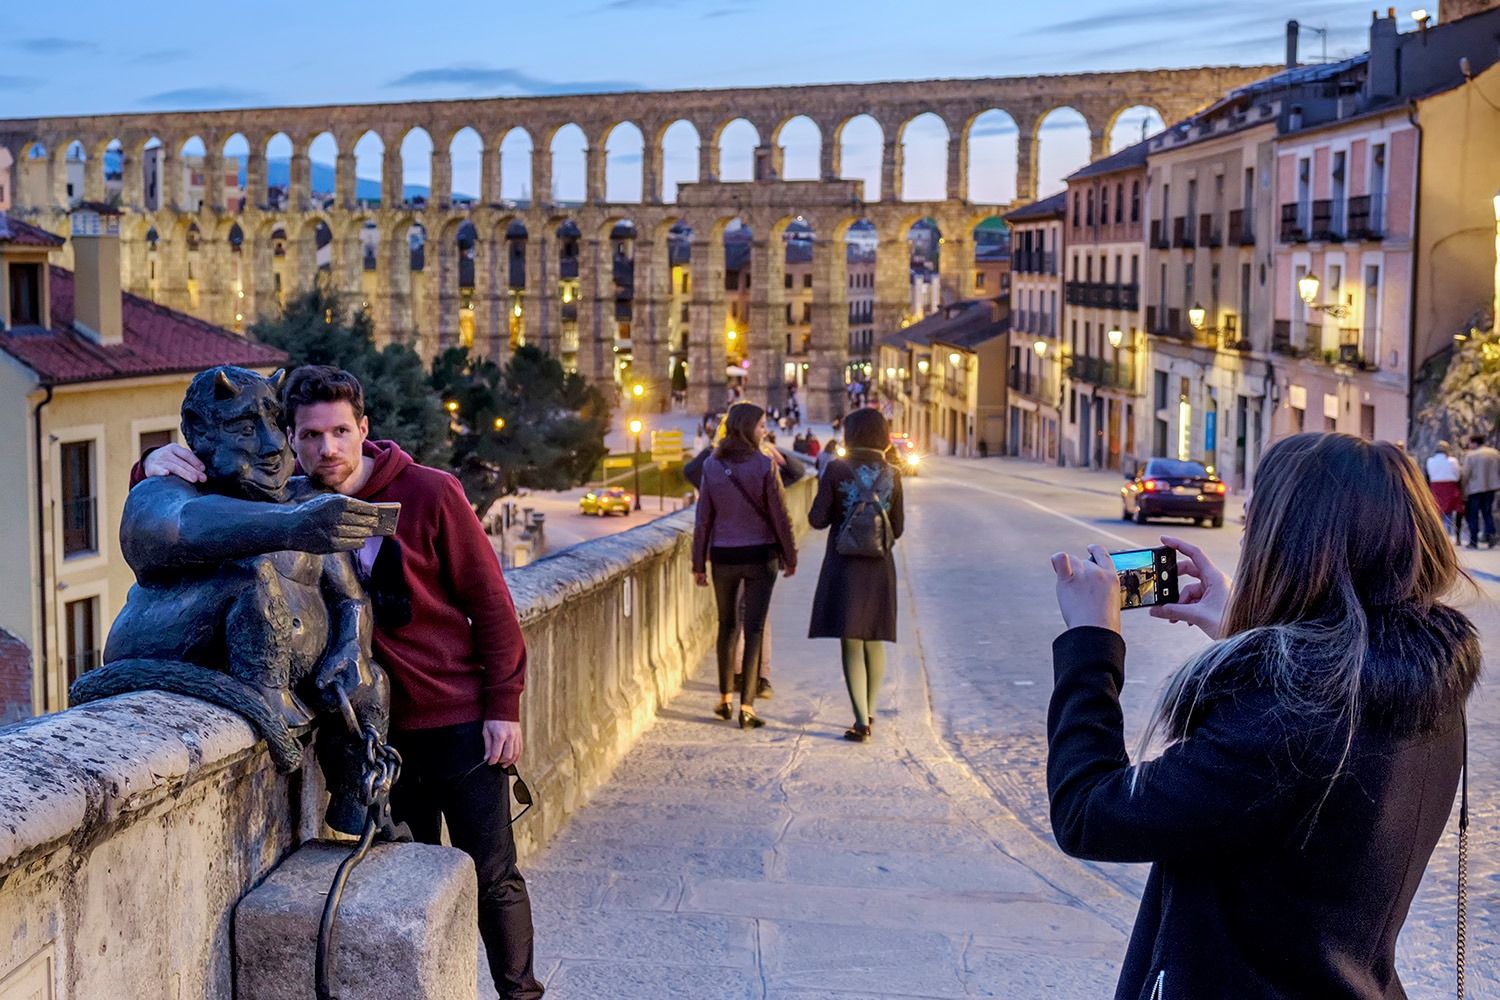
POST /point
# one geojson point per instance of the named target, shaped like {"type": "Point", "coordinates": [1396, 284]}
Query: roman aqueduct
{"type": "Point", "coordinates": [542, 269]}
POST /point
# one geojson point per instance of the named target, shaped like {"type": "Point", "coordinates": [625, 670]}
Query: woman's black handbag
{"type": "Point", "coordinates": [866, 531]}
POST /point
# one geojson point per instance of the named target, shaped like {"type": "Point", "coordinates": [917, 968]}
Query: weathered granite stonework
{"type": "Point", "coordinates": [130, 827]}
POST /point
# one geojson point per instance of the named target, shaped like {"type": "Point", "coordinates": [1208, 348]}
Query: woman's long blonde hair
{"type": "Point", "coordinates": [1339, 530]}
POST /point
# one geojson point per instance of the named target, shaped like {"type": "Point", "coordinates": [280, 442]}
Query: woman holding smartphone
{"type": "Point", "coordinates": [1311, 754]}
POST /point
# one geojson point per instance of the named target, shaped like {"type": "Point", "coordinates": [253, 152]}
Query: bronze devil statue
{"type": "Point", "coordinates": [246, 594]}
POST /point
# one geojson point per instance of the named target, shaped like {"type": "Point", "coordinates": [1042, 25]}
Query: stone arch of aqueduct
{"type": "Point", "coordinates": [422, 306]}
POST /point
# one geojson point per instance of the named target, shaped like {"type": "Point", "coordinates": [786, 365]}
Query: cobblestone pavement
{"type": "Point", "coordinates": [787, 863]}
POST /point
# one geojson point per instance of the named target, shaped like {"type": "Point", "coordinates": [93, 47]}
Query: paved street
{"type": "Point", "coordinates": [790, 864]}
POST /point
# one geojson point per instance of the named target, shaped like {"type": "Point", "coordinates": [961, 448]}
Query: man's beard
{"type": "Point", "coordinates": [332, 475]}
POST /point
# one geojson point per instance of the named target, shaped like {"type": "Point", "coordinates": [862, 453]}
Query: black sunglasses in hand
{"type": "Point", "coordinates": [518, 785]}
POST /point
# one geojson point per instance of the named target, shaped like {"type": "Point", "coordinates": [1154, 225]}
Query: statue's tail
{"type": "Point", "coordinates": [123, 676]}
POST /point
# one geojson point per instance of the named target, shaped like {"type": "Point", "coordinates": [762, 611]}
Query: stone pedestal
{"type": "Point", "coordinates": [408, 926]}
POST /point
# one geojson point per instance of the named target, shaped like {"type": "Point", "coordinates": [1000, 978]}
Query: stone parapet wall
{"type": "Point", "coordinates": [129, 828]}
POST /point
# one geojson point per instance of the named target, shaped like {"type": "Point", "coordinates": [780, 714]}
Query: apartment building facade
{"type": "Point", "coordinates": [1104, 347]}
{"type": "Point", "coordinates": [1034, 373]}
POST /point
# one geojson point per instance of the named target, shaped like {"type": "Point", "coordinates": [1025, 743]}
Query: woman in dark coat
{"type": "Point", "coordinates": [1311, 754]}
{"type": "Point", "coordinates": [856, 597]}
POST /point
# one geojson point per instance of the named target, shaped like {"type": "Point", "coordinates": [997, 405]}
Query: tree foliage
{"type": "Point", "coordinates": [528, 425]}
{"type": "Point", "coordinates": [315, 329]}
{"type": "Point", "coordinates": [1467, 399]}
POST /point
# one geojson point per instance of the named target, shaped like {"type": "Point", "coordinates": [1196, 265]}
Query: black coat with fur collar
{"type": "Point", "coordinates": [1260, 885]}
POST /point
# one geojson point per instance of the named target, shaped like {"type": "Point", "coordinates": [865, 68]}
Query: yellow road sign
{"type": "Point", "coordinates": [617, 461]}
{"type": "Point", "coordinates": [666, 447]}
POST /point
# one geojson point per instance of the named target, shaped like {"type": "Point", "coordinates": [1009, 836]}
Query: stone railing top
{"type": "Point", "coordinates": [68, 779]}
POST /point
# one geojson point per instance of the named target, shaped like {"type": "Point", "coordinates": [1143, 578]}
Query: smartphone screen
{"type": "Point", "coordinates": [1147, 576]}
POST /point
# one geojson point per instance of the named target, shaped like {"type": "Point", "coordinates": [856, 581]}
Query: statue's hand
{"type": "Point", "coordinates": [332, 523]}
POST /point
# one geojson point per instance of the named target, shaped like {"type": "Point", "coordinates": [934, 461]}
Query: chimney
{"type": "Point", "coordinates": [1382, 74]}
{"type": "Point", "coordinates": [1291, 45]}
{"type": "Point", "coordinates": [96, 273]}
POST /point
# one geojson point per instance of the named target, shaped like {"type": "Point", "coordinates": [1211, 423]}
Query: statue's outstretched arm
{"type": "Point", "coordinates": [169, 525]}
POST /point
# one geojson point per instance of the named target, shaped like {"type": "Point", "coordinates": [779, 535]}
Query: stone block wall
{"type": "Point", "coordinates": [129, 828]}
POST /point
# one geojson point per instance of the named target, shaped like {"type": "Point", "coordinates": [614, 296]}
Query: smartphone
{"type": "Point", "coordinates": [388, 513]}
{"type": "Point", "coordinates": [1147, 576]}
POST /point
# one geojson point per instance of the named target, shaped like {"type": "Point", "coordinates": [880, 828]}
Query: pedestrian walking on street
{"type": "Point", "coordinates": [446, 632]}
{"type": "Point", "coordinates": [743, 529]}
{"type": "Point", "coordinates": [826, 456]}
{"type": "Point", "coordinates": [1310, 755]}
{"type": "Point", "coordinates": [1443, 475]}
{"type": "Point", "coordinates": [1481, 479]}
{"type": "Point", "coordinates": [859, 499]}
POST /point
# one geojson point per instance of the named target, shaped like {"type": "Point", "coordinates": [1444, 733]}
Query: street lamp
{"type": "Point", "coordinates": [1307, 291]}
{"type": "Point", "coordinates": [636, 425]}
{"type": "Point", "coordinates": [1197, 315]}
{"type": "Point", "coordinates": [954, 358]}
{"type": "Point", "coordinates": [637, 390]}
{"type": "Point", "coordinates": [1116, 336]}
{"type": "Point", "coordinates": [499, 423]}
{"type": "Point", "coordinates": [922, 365]}
{"type": "Point", "coordinates": [1041, 348]}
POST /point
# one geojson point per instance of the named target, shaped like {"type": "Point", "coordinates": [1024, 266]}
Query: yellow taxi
{"type": "Point", "coordinates": [612, 500]}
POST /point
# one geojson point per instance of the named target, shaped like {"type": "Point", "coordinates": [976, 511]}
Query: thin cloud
{"type": "Point", "coordinates": [714, 15]}
{"type": "Point", "coordinates": [161, 56]}
{"type": "Point", "coordinates": [52, 45]}
{"type": "Point", "coordinates": [476, 78]}
{"type": "Point", "coordinates": [200, 97]}
{"type": "Point", "coordinates": [12, 82]}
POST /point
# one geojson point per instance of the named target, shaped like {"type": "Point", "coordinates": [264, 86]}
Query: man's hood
{"type": "Point", "coordinates": [390, 462]}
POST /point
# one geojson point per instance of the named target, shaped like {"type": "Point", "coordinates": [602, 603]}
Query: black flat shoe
{"type": "Point", "coordinates": [749, 720]}
{"type": "Point", "coordinates": [723, 711]}
{"type": "Point", "coordinates": [858, 734]}
{"type": "Point", "coordinates": [763, 689]}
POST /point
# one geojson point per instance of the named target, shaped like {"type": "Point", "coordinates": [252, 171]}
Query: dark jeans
{"type": "Point", "coordinates": [1478, 505]}
{"type": "Point", "coordinates": [439, 781]}
{"type": "Point", "coordinates": [758, 579]}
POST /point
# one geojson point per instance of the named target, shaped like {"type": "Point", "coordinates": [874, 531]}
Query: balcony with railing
{"type": "Point", "coordinates": [1102, 295]}
{"type": "Point", "coordinates": [1182, 235]}
{"type": "Point", "coordinates": [1327, 221]}
{"type": "Point", "coordinates": [1241, 234]}
{"type": "Point", "coordinates": [1035, 262]}
{"type": "Point", "coordinates": [1366, 217]}
{"type": "Point", "coordinates": [1281, 338]}
{"type": "Point", "coordinates": [1103, 373]}
{"type": "Point", "coordinates": [1294, 223]}
{"type": "Point", "coordinates": [1208, 235]}
{"type": "Point", "coordinates": [1159, 239]}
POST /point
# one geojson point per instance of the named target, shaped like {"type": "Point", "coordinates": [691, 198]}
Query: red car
{"type": "Point", "coordinates": [1168, 487]}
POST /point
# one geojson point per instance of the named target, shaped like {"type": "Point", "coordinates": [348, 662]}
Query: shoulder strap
{"type": "Point", "coordinates": [764, 516]}
{"type": "Point", "coordinates": [1463, 861]}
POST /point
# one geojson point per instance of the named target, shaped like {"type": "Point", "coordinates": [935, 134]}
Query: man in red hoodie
{"type": "Point", "coordinates": [447, 634]}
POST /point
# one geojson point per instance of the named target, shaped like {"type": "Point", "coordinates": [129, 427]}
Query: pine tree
{"type": "Point", "coordinates": [528, 425]}
{"type": "Point", "coordinates": [315, 329]}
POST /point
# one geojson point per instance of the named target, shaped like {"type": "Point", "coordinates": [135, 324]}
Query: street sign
{"type": "Point", "coordinates": [617, 462]}
{"type": "Point", "coordinates": [666, 447]}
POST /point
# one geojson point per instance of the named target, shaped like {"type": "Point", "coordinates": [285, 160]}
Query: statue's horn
{"type": "Point", "coordinates": [277, 379]}
{"type": "Point", "coordinates": [223, 388]}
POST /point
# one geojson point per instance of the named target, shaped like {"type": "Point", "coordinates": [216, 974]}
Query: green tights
{"type": "Point", "coordinates": [864, 667]}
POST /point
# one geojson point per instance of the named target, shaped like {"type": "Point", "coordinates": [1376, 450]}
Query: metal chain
{"type": "Point", "coordinates": [382, 767]}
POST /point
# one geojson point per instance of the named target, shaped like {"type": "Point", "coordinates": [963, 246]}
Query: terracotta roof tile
{"type": "Point", "coordinates": [16, 232]}
{"type": "Point", "coordinates": [157, 341]}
